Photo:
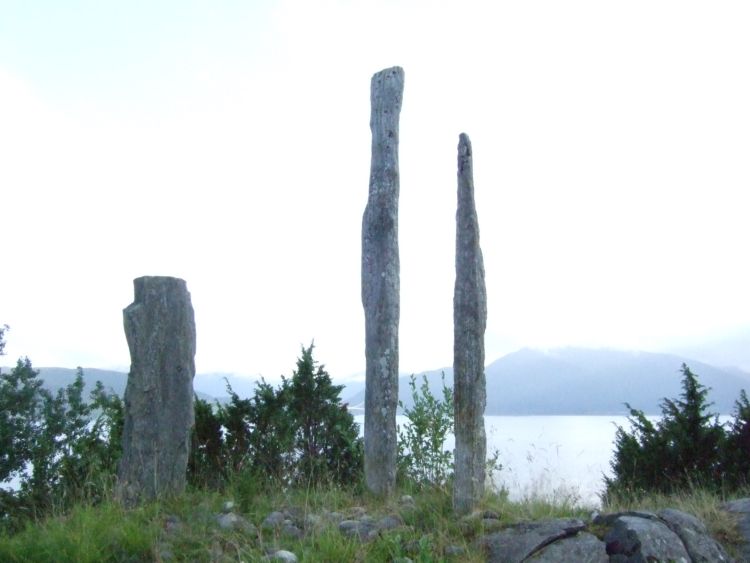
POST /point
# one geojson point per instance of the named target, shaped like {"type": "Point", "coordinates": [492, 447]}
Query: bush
{"type": "Point", "coordinates": [683, 450]}
{"type": "Point", "coordinates": [736, 458]}
{"type": "Point", "coordinates": [422, 459]}
{"type": "Point", "coordinates": [324, 435]}
{"type": "Point", "coordinates": [298, 432]}
{"type": "Point", "coordinates": [60, 448]}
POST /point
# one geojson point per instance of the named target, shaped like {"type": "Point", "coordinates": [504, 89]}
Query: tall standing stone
{"type": "Point", "coordinates": [380, 283]}
{"type": "Point", "coordinates": [469, 323]}
{"type": "Point", "coordinates": [160, 330]}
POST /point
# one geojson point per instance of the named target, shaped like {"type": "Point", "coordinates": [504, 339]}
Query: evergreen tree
{"type": "Point", "coordinates": [206, 463]}
{"type": "Point", "coordinates": [297, 432]}
{"type": "Point", "coordinates": [3, 328]}
{"type": "Point", "coordinates": [683, 449]}
{"type": "Point", "coordinates": [326, 438]}
{"type": "Point", "coordinates": [693, 435]}
{"type": "Point", "coordinates": [736, 458]}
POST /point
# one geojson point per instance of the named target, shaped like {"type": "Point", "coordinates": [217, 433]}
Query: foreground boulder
{"type": "Point", "coordinates": [625, 537]}
{"type": "Point", "coordinates": [160, 330]}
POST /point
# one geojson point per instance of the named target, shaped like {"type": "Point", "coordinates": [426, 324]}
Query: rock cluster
{"type": "Point", "coordinates": [625, 537]}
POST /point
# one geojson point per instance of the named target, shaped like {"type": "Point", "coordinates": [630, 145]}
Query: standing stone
{"type": "Point", "coordinates": [380, 283]}
{"type": "Point", "coordinates": [160, 329]}
{"type": "Point", "coordinates": [469, 322]}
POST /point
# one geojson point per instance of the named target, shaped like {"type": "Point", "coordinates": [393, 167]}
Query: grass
{"type": "Point", "coordinates": [185, 529]}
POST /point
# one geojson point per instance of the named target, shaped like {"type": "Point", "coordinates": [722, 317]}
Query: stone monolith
{"type": "Point", "coordinates": [380, 283]}
{"type": "Point", "coordinates": [469, 322]}
{"type": "Point", "coordinates": [160, 330]}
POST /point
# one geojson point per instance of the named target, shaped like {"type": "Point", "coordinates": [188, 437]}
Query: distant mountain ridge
{"type": "Point", "coordinates": [581, 381]}
{"type": "Point", "coordinates": [586, 381]}
{"type": "Point", "coordinates": [114, 381]}
{"type": "Point", "coordinates": [565, 381]}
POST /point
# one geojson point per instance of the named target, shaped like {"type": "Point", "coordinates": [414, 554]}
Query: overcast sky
{"type": "Point", "coordinates": [228, 143]}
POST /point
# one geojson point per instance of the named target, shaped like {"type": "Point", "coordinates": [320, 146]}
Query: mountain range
{"type": "Point", "coordinates": [581, 381]}
{"type": "Point", "coordinates": [564, 381]}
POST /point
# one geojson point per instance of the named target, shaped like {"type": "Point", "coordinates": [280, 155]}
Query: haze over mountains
{"type": "Point", "coordinates": [574, 381]}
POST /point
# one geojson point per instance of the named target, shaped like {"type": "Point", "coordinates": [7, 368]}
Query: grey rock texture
{"type": "Point", "coordinates": [160, 330]}
{"type": "Point", "coordinates": [363, 530]}
{"type": "Point", "coordinates": [232, 521]}
{"type": "Point", "coordinates": [469, 323]}
{"type": "Point", "coordinates": [638, 539]}
{"type": "Point", "coordinates": [273, 520]}
{"type": "Point", "coordinates": [701, 547]}
{"type": "Point", "coordinates": [381, 283]}
{"type": "Point", "coordinates": [581, 548]}
{"type": "Point", "coordinates": [519, 542]}
{"type": "Point", "coordinates": [632, 537]}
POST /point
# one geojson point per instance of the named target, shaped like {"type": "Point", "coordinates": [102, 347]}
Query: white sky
{"type": "Point", "coordinates": [228, 143]}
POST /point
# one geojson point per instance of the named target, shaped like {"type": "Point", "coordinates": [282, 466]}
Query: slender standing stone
{"type": "Point", "coordinates": [469, 322]}
{"type": "Point", "coordinates": [160, 329]}
{"type": "Point", "coordinates": [380, 283]}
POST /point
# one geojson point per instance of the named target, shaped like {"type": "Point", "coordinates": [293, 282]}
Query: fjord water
{"type": "Point", "coordinates": [555, 457]}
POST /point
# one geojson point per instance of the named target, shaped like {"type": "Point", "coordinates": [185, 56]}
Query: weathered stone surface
{"type": "Point", "coordinates": [629, 537]}
{"type": "Point", "coordinates": [581, 548]}
{"type": "Point", "coordinates": [390, 522]}
{"type": "Point", "coordinates": [160, 330]}
{"type": "Point", "coordinates": [232, 521]}
{"type": "Point", "coordinates": [701, 547]}
{"type": "Point", "coordinates": [363, 530]}
{"type": "Point", "coordinates": [515, 544]}
{"type": "Point", "coordinates": [469, 323]}
{"type": "Point", "coordinates": [610, 518]}
{"type": "Point", "coordinates": [273, 520]}
{"type": "Point", "coordinates": [381, 282]}
{"type": "Point", "coordinates": [289, 530]}
{"type": "Point", "coordinates": [640, 539]}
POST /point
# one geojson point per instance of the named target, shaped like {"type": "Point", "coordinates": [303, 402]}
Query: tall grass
{"type": "Point", "coordinates": [185, 528]}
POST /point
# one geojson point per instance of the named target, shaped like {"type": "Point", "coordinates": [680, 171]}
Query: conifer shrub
{"type": "Point", "coordinates": [686, 449]}
{"type": "Point", "coordinates": [736, 455]}
{"type": "Point", "coordinates": [296, 433]}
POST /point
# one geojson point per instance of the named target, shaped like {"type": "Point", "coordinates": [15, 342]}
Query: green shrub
{"type": "Point", "coordinates": [683, 450]}
{"type": "Point", "coordinates": [62, 449]}
{"type": "Point", "coordinates": [736, 458]}
{"type": "Point", "coordinates": [423, 460]}
{"type": "Point", "coordinates": [297, 432]}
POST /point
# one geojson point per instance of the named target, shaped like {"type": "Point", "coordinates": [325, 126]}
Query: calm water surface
{"type": "Point", "coordinates": [558, 457]}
